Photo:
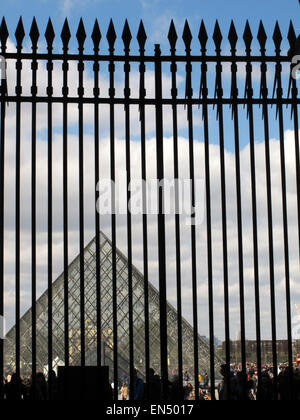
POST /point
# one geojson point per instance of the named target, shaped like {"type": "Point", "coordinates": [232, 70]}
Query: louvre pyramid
{"type": "Point", "coordinates": [107, 321]}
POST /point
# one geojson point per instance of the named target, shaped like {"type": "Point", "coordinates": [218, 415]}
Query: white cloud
{"type": "Point", "coordinates": [67, 6]}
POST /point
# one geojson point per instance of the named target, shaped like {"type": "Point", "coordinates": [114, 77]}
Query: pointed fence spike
{"type": "Point", "coordinates": [142, 36]}
{"type": "Point", "coordinates": [172, 36]}
{"type": "Point", "coordinates": [50, 34]}
{"type": "Point", "coordinates": [292, 35]}
{"type": "Point", "coordinates": [277, 37]}
{"type": "Point", "coordinates": [34, 33]}
{"type": "Point", "coordinates": [187, 36]}
{"type": "Point", "coordinates": [81, 35]}
{"type": "Point", "coordinates": [203, 37]}
{"type": "Point", "coordinates": [293, 41]}
{"type": "Point", "coordinates": [20, 33]}
{"type": "Point", "coordinates": [262, 37]}
{"type": "Point", "coordinates": [217, 36]}
{"type": "Point", "coordinates": [232, 36]}
{"type": "Point", "coordinates": [248, 37]}
{"type": "Point", "coordinates": [111, 36]}
{"type": "Point", "coordinates": [66, 35]}
{"type": "Point", "coordinates": [126, 36]}
{"type": "Point", "coordinates": [96, 35]}
{"type": "Point", "coordinates": [3, 33]}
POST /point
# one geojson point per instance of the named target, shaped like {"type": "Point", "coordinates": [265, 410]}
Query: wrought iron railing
{"type": "Point", "coordinates": [209, 101]}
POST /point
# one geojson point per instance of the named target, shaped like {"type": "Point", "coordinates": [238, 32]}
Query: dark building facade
{"type": "Point", "coordinates": [266, 350]}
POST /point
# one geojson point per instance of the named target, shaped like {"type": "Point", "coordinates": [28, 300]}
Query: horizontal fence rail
{"type": "Point", "coordinates": [220, 95]}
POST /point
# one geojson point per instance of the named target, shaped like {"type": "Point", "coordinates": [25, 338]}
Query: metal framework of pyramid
{"type": "Point", "coordinates": [107, 321]}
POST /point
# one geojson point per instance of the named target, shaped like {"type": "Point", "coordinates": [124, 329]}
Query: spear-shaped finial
{"type": "Point", "coordinates": [20, 33]}
{"type": "Point", "coordinates": [111, 36]}
{"type": "Point", "coordinates": [34, 34]}
{"type": "Point", "coordinates": [3, 34]}
{"type": "Point", "coordinates": [217, 37]}
{"type": "Point", "coordinates": [262, 38]}
{"type": "Point", "coordinates": [126, 37]}
{"type": "Point", "coordinates": [49, 35]}
{"type": "Point", "coordinates": [233, 37]}
{"type": "Point", "coordinates": [96, 36]}
{"type": "Point", "coordinates": [203, 37]}
{"type": "Point", "coordinates": [277, 38]}
{"type": "Point", "coordinates": [187, 37]}
{"type": "Point", "coordinates": [81, 35]}
{"type": "Point", "coordinates": [172, 36]}
{"type": "Point", "coordinates": [66, 35]}
{"type": "Point", "coordinates": [142, 37]}
{"type": "Point", "coordinates": [248, 37]}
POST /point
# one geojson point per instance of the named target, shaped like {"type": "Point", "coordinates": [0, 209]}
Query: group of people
{"type": "Point", "coordinates": [16, 388]}
{"type": "Point", "coordinates": [235, 385]}
{"type": "Point", "coordinates": [141, 391]}
{"type": "Point", "coordinates": [153, 391]}
{"type": "Point", "coordinates": [284, 385]}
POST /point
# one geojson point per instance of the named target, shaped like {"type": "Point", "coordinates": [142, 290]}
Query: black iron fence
{"type": "Point", "coordinates": [212, 100]}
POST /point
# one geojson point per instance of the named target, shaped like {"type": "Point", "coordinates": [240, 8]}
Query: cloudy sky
{"type": "Point", "coordinates": [156, 15]}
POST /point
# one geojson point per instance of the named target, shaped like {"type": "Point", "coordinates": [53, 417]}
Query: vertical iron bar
{"type": "Point", "coordinates": [161, 224]}
{"type": "Point", "coordinates": [50, 222]}
{"type": "Point", "coordinates": [81, 208]}
{"type": "Point", "coordinates": [240, 233]}
{"type": "Point", "coordinates": [285, 222]}
{"type": "Point", "coordinates": [296, 131]}
{"type": "Point", "coordinates": [97, 214]}
{"type": "Point", "coordinates": [189, 95]}
{"type": "Point", "coordinates": [249, 92]}
{"type": "Point", "coordinates": [129, 222]}
{"type": "Point", "coordinates": [174, 93]}
{"type": "Point", "coordinates": [34, 68]}
{"type": "Point", "coordinates": [219, 92]}
{"type": "Point", "coordinates": [145, 221]}
{"type": "Point", "coordinates": [294, 116]}
{"type": "Point", "coordinates": [204, 91]}
{"type": "Point", "coordinates": [264, 94]}
{"type": "Point", "coordinates": [65, 92]}
{"type": "Point", "coordinates": [17, 215]}
{"type": "Point", "coordinates": [2, 197]}
{"type": "Point", "coordinates": [113, 219]}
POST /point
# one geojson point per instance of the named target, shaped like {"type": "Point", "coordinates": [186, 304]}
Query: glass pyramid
{"type": "Point", "coordinates": [107, 322]}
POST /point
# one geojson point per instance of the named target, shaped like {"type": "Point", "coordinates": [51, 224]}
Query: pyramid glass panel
{"type": "Point", "coordinates": [107, 322]}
